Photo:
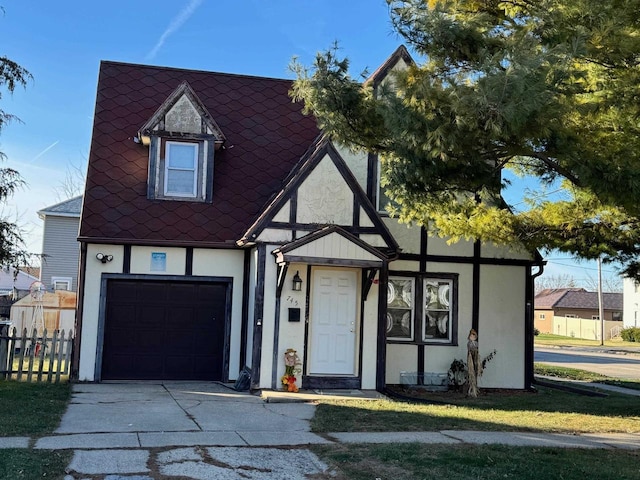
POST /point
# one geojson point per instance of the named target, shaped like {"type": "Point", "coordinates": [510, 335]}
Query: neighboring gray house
{"type": "Point", "coordinates": [60, 245]}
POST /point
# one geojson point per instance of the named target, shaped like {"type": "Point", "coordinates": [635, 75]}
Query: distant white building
{"type": "Point", "coordinates": [631, 311]}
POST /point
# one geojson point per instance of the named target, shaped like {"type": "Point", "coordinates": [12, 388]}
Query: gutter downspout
{"type": "Point", "coordinates": [75, 353]}
{"type": "Point", "coordinates": [528, 328]}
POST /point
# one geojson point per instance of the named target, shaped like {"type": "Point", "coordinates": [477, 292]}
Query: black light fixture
{"type": "Point", "coordinates": [297, 282]}
{"type": "Point", "coordinates": [104, 258]}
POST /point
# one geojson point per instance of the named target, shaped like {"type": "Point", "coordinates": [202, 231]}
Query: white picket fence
{"type": "Point", "coordinates": [35, 358]}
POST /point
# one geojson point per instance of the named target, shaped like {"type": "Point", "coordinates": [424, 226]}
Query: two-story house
{"type": "Point", "coordinates": [60, 247]}
{"type": "Point", "coordinates": [220, 228]}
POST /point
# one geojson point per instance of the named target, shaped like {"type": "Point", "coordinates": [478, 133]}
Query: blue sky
{"type": "Point", "coordinates": [62, 43]}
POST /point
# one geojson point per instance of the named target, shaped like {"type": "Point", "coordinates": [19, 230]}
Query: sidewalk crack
{"type": "Point", "coordinates": [189, 416]}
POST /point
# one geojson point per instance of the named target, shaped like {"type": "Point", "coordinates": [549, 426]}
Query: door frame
{"type": "Point", "coordinates": [102, 311]}
{"type": "Point", "coordinates": [333, 381]}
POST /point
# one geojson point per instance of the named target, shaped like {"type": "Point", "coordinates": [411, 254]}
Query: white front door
{"type": "Point", "coordinates": [333, 323]}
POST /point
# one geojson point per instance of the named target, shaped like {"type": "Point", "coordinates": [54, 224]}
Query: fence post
{"type": "Point", "coordinates": [4, 349]}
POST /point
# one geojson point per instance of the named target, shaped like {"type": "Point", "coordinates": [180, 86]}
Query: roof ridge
{"type": "Point", "coordinates": [193, 70]}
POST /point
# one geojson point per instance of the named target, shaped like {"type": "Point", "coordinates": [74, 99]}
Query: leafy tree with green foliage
{"type": "Point", "coordinates": [12, 247]}
{"type": "Point", "coordinates": [544, 88]}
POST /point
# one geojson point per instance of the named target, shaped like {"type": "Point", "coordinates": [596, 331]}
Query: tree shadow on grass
{"type": "Point", "coordinates": [548, 410]}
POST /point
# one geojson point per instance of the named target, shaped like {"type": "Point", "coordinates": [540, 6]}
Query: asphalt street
{"type": "Point", "coordinates": [612, 365]}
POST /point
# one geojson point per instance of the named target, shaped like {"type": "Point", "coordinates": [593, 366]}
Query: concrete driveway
{"type": "Point", "coordinates": [178, 409]}
{"type": "Point", "coordinates": [191, 430]}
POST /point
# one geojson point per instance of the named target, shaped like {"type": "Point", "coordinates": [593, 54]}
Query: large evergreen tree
{"type": "Point", "coordinates": [12, 248]}
{"type": "Point", "coordinates": [545, 88]}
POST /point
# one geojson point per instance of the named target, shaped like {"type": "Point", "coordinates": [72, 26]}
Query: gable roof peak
{"type": "Point", "coordinates": [158, 121]}
{"type": "Point", "coordinates": [400, 53]}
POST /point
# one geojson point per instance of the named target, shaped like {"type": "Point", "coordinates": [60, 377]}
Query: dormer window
{"type": "Point", "coordinates": [182, 138]}
{"type": "Point", "coordinates": [181, 169]}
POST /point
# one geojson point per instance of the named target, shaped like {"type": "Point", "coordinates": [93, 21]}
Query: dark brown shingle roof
{"type": "Point", "coordinates": [266, 136]}
{"type": "Point", "coordinates": [577, 298]}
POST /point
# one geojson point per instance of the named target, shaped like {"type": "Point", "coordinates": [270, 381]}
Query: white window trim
{"type": "Point", "coordinates": [194, 186]}
{"type": "Point", "coordinates": [411, 308]}
{"type": "Point", "coordinates": [68, 280]}
{"type": "Point", "coordinates": [449, 338]}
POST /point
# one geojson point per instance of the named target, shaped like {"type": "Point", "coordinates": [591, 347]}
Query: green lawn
{"type": "Point", "coordinates": [548, 410]}
{"type": "Point", "coordinates": [477, 462]}
{"type": "Point", "coordinates": [32, 410]}
{"type": "Point", "coordinates": [559, 340]}
{"type": "Point", "coordinates": [583, 375]}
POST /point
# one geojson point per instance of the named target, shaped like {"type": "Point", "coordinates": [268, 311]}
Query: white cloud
{"type": "Point", "coordinates": [175, 24]}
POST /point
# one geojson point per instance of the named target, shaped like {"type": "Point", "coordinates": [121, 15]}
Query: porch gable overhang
{"type": "Point", "coordinates": [331, 245]}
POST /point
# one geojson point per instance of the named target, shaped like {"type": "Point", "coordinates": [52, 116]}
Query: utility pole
{"type": "Point", "coordinates": [600, 305]}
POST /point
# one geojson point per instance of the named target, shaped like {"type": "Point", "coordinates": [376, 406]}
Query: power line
{"type": "Point", "coordinates": [576, 266]}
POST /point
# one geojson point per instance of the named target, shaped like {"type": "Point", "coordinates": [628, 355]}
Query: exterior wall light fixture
{"type": "Point", "coordinates": [104, 258]}
{"type": "Point", "coordinates": [297, 282]}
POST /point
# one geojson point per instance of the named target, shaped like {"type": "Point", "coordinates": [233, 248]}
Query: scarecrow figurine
{"type": "Point", "coordinates": [474, 366]}
{"type": "Point", "coordinates": [291, 361]}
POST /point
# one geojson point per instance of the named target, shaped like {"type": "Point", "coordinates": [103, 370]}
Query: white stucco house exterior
{"type": "Point", "coordinates": [209, 194]}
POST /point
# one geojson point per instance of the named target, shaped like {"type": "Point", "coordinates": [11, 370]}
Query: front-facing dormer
{"type": "Point", "coordinates": [182, 138]}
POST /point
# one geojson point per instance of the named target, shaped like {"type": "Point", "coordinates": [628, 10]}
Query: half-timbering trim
{"type": "Point", "coordinates": [281, 253]}
{"type": "Point", "coordinates": [381, 344]}
{"type": "Point", "coordinates": [188, 264]}
{"type": "Point", "coordinates": [126, 259]}
{"type": "Point", "coordinates": [468, 260]}
{"type": "Point", "coordinates": [475, 295]}
{"type": "Point", "coordinates": [368, 275]}
{"type": "Point", "coordinates": [310, 160]}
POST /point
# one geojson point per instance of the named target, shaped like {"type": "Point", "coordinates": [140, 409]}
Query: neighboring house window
{"type": "Point", "coordinates": [400, 303]}
{"type": "Point", "coordinates": [595, 317]}
{"type": "Point", "coordinates": [542, 316]}
{"type": "Point", "coordinates": [181, 169]}
{"type": "Point", "coordinates": [61, 283]}
{"type": "Point", "coordinates": [616, 316]}
{"type": "Point", "coordinates": [422, 309]}
{"type": "Point", "coordinates": [570, 315]}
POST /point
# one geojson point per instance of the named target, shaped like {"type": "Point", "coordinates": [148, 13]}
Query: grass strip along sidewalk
{"type": "Point", "coordinates": [32, 410]}
{"type": "Point", "coordinates": [548, 410]}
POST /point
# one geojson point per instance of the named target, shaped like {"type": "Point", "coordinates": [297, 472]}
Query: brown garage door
{"type": "Point", "coordinates": [163, 330]}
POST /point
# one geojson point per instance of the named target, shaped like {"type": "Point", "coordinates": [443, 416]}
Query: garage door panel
{"type": "Point", "coordinates": [149, 315]}
{"type": "Point", "coordinates": [159, 330]}
{"type": "Point", "coordinates": [124, 291]}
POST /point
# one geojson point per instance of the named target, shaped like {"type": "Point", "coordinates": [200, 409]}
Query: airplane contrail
{"type": "Point", "coordinates": [175, 24]}
{"type": "Point", "coordinates": [44, 151]}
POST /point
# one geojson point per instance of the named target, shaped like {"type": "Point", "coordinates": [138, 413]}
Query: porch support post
{"type": "Point", "coordinates": [256, 354]}
{"type": "Point", "coordinates": [281, 275]}
{"type": "Point", "coordinates": [381, 347]}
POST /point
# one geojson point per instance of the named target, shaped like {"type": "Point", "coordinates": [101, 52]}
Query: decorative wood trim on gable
{"type": "Point", "coordinates": [156, 125]}
{"type": "Point", "coordinates": [401, 53]}
{"type": "Point", "coordinates": [310, 160]}
{"type": "Point", "coordinates": [369, 255]}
